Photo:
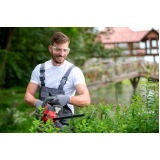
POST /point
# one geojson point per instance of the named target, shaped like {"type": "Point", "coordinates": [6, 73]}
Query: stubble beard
{"type": "Point", "coordinates": [54, 59]}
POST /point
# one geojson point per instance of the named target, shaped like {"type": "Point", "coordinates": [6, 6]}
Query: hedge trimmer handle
{"type": "Point", "coordinates": [47, 100]}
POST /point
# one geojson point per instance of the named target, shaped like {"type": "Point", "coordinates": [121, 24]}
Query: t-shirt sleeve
{"type": "Point", "coordinates": [35, 75]}
{"type": "Point", "coordinates": [78, 77]}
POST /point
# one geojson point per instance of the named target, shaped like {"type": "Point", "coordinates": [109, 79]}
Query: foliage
{"type": "Point", "coordinates": [142, 116]}
{"type": "Point", "coordinates": [115, 53]}
{"type": "Point", "coordinates": [12, 118]}
{"type": "Point", "coordinates": [29, 47]}
{"type": "Point", "coordinates": [49, 127]}
{"type": "Point", "coordinates": [13, 100]}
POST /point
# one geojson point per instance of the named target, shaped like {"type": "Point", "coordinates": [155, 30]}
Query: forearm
{"type": "Point", "coordinates": [30, 92]}
{"type": "Point", "coordinates": [80, 100]}
{"type": "Point", "coordinates": [30, 100]}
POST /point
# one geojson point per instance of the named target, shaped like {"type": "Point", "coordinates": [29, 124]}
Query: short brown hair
{"type": "Point", "coordinates": [59, 38]}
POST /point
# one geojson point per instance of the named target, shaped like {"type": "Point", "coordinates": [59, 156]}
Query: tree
{"type": "Point", "coordinates": [5, 43]}
{"type": "Point", "coordinates": [29, 47]}
{"type": "Point", "coordinates": [22, 48]}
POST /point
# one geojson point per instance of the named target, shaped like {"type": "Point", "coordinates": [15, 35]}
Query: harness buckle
{"type": "Point", "coordinates": [42, 70]}
{"type": "Point", "coordinates": [42, 77]}
{"type": "Point", "coordinates": [63, 81]}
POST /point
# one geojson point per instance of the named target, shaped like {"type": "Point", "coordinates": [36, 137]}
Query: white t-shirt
{"type": "Point", "coordinates": [54, 74]}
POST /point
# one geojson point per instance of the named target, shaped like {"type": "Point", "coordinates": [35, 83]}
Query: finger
{"type": "Point", "coordinates": [54, 100]}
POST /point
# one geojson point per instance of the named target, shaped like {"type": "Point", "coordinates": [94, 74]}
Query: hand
{"type": "Point", "coordinates": [38, 104]}
{"type": "Point", "coordinates": [61, 100]}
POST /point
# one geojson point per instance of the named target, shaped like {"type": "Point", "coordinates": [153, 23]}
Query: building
{"type": "Point", "coordinates": [133, 43]}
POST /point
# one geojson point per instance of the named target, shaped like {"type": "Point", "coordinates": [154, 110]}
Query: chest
{"type": "Point", "coordinates": [53, 78]}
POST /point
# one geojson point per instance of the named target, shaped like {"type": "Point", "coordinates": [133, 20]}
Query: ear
{"type": "Point", "coordinates": [50, 48]}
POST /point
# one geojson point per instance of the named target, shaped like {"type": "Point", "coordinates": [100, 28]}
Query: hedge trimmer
{"type": "Point", "coordinates": [54, 112]}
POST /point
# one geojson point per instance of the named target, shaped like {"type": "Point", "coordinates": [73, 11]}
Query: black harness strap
{"type": "Point", "coordinates": [42, 76]}
{"type": "Point", "coordinates": [65, 78]}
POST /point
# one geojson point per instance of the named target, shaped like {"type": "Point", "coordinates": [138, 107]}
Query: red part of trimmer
{"type": "Point", "coordinates": [54, 112]}
{"type": "Point", "coordinates": [48, 114]}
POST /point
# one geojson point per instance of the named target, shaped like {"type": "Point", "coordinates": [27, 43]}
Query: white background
{"type": "Point", "coordinates": [69, 13]}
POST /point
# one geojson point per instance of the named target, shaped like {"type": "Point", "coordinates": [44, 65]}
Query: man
{"type": "Point", "coordinates": [58, 77]}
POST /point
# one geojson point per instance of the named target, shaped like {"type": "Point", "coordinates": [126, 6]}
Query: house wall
{"type": "Point", "coordinates": [109, 46]}
{"type": "Point", "coordinates": [150, 43]}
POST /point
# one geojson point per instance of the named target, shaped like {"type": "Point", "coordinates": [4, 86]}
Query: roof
{"type": "Point", "coordinates": [124, 34]}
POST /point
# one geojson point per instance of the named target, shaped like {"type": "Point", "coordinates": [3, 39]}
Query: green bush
{"type": "Point", "coordinates": [12, 120]}
{"type": "Point", "coordinates": [142, 116]}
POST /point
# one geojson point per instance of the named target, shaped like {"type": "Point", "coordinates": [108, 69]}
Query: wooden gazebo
{"type": "Point", "coordinates": [134, 43]}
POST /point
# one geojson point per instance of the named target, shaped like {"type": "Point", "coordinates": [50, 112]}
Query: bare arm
{"type": "Point", "coordinates": [83, 96]}
{"type": "Point", "coordinates": [30, 92]}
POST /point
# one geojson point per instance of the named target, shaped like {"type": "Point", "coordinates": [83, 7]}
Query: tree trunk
{"type": "Point", "coordinates": [6, 45]}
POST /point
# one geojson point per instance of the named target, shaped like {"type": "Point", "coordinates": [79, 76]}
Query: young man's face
{"type": "Point", "coordinates": [59, 53]}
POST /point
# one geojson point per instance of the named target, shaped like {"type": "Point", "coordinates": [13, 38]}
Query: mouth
{"type": "Point", "coordinates": [60, 58]}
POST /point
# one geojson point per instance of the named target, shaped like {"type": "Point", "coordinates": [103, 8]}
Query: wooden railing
{"type": "Point", "coordinates": [105, 74]}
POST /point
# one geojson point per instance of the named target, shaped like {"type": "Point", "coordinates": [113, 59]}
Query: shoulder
{"type": "Point", "coordinates": [77, 76]}
{"type": "Point", "coordinates": [68, 64]}
{"type": "Point", "coordinates": [37, 68]}
{"type": "Point", "coordinates": [75, 70]}
{"type": "Point", "coordinates": [48, 64]}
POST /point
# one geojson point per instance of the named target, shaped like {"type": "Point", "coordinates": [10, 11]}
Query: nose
{"type": "Point", "coordinates": [62, 51]}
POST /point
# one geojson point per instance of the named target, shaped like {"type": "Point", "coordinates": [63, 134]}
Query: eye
{"type": "Point", "coordinates": [58, 49]}
{"type": "Point", "coordinates": [65, 50]}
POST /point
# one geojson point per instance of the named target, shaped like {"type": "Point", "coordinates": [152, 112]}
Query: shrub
{"type": "Point", "coordinates": [12, 118]}
{"type": "Point", "coordinates": [142, 116]}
